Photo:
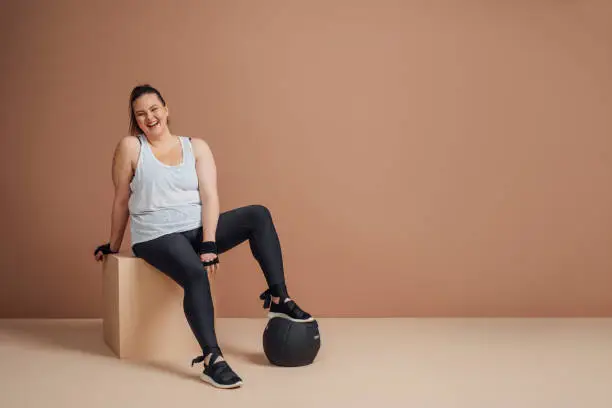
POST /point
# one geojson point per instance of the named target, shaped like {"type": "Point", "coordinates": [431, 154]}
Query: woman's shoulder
{"type": "Point", "coordinates": [199, 145]}
{"type": "Point", "coordinates": [129, 143]}
{"type": "Point", "coordinates": [129, 146]}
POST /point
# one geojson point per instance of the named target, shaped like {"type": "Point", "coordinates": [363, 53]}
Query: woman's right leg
{"type": "Point", "coordinates": [174, 255]}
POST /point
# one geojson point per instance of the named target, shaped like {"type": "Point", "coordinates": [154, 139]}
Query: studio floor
{"type": "Point", "coordinates": [408, 362]}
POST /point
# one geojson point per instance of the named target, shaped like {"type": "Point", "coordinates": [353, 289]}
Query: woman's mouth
{"type": "Point", "coordinates": [153, 125]}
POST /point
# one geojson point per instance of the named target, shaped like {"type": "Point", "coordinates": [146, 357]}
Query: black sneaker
{"type": "Point", "coordinates": [218, 374]}
{"type": "Point", "coordinates": [287, 310]}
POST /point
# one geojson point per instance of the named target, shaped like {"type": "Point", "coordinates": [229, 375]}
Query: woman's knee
{"type": "Point", "coordinates": [260, 213]}
{"type": "Point", "coordinates": [195, 275]}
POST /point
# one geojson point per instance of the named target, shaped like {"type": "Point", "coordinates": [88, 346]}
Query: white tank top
{"type": "Point", "coordinates": [164, 199]}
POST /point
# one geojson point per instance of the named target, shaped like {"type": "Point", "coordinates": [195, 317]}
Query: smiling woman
{"type": "Point", "coordinates": [167, 186]}
{"type": "Point", "coordinates": [148, 110]}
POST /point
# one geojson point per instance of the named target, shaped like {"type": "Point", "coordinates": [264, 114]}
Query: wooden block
{"type": "Point", "coordinates": [143, 317]}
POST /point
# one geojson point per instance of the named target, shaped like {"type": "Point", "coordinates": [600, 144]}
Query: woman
{"type": "Point", "coordinates": [167, 186]}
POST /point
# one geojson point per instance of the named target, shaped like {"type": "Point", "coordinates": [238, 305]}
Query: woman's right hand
{"type": "Point", "coordinates": [102, 251]}
{"type": "Point", "coordinates": [207, 261]}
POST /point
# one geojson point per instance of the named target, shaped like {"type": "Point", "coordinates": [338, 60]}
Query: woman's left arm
{"type": "Point", "coordinates": [207, 179]}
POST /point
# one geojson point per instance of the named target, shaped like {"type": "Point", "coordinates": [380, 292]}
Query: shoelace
{"type": "Point", "coordinates": [196, 360]}
{"type": "Point", "coordinates": [266, 296]}
{"type": "Point", "coordinates": [220, 369]}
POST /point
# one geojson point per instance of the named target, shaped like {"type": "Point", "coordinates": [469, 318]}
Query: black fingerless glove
{"type": "Point", "coordinates": [105, 249]}
{"type": "Point", "coordinates": [209, 247]}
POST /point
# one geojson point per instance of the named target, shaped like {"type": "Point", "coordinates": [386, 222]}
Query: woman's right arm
{"type": "Point", "coordinates": [122, 172]}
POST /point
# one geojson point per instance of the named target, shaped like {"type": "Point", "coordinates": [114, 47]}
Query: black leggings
{"type": "Point", "coordinates": [176, 255]}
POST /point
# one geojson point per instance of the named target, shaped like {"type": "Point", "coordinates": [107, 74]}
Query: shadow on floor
{"type": "Point", "coordinates": [84, 336]}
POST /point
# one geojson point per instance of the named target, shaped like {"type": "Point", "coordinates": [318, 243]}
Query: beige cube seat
{"type": "Point", "coordinates": [143, 317]}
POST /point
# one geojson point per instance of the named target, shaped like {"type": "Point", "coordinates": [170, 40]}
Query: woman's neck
{"type": "Point", "coordinates": [164, 139]}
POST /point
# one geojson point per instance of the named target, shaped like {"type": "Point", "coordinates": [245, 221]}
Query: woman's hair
{"type": "Point", "coordinates": [137, 92]}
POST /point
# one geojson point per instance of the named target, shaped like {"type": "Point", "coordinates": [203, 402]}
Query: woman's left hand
{"type": "Point", "coordinates": [210, 269]}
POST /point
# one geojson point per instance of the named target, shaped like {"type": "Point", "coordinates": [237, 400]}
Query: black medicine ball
{"type": "Point", "coordinates": [291, 344]}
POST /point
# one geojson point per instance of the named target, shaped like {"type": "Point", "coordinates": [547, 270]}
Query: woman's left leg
{"type": "Point", "coordinates": [254, 223]}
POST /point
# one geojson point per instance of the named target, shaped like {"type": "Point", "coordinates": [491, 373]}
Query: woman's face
{"type": "Point", "coordinates": [151, 115]}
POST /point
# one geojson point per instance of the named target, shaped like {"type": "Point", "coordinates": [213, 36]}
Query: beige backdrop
{"type": "Point", "coordinates": [420, 158]}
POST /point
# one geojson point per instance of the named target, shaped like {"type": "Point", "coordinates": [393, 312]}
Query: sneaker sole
{"type": "Point", "coordinates": [284, 316]}
{"type": "Point", "coordinates": [212, 382]}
